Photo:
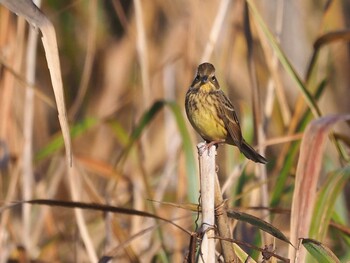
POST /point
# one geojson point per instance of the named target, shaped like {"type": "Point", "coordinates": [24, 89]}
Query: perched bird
{"type": "Point", "coordinates": [212, 114]}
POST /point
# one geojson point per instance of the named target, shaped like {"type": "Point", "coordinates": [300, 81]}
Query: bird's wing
{"type": "Point", "coordinates": [228, 115]}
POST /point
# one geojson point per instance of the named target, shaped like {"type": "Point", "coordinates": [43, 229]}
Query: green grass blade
{"type": "Point", "coordinates": [259, 223]}
{"type": "Point", "coordinates": [279, 188]}
{"type": "Point", "coordinates": [145, 120]}
{"type": "Point", "coordinates": [119, 131]}
{"type": "Point", "coordinates": [327, 196]}
{"type": "Point", "coordinates": [319, 251]}
{"type": "Point", "coordinates": [57, 142]}
{"type": "Point", "coordinates": [191, 163]}
{"type": "Point", "coordinates": [339, 219]}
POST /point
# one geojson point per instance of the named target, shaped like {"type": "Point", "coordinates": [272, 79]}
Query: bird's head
{"type": "Point", "coordinates": [205, 79]}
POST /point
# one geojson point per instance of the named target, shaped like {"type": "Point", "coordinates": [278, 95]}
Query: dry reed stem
{"type": "Point", "coordinates": [233, 176]}
{"type": "Point", "coordinates": [27, 153]}
{"type": "Point", "coordinates": [223, 225]}
{"type": "Point", "coordinates": [127, 243]}
{"type": "Point", "coordinates": [207, 174]}
{"type": "Point", "coordinates": [258, 119]}
{"type": "Point", "coordinates": [8, 126]}
{"type": "Point", "coordinates": [45, 191]}
{"type": "Point", "coordinates": [283, 139]}
{"type": "Point", "coordinates": [75, 189]}
{"type": "Point", "coordinates": [275, 82]}
{"type": "Point", "coordinates": [6, 215]}
{"type": "Point", "coordinates": [51, 51]}
{"type": "Point", "coordinates": [215, 30]}
{"type": "Point", "coordinates": [34, 16]}
{"type": "Point", "coordinates": [212, 203]}
{"type": "Point", "coordinates": [142, 51]}
{"type": "Point", "coordinates": [89, 59]}
{"type": "Point", "coordinates": [28, 113]}
{"type": "Point", "coordinates": [23, 83]}
{"type": "Point", "coordinates": [177, 36]}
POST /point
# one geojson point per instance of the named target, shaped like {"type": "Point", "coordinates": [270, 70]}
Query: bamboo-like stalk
{"type": "Point", "coordinates": [212, 205]}
{"type": "Point", "coordinates": [207, 179]}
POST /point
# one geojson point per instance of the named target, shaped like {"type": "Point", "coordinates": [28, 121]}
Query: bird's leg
{"type": "Point", "coordinates": [208, 144]}
{"type": "Point", "coordinates": [216, 142]}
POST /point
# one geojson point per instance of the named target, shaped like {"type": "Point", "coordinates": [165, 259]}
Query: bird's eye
{"type": "Point", "coordinates": [197, 78]}
{"type": "Point", "coordinates": [213, 79]}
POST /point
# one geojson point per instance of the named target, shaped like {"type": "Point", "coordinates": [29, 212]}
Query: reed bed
{"type": "Point", "coordinates": [131, 192]}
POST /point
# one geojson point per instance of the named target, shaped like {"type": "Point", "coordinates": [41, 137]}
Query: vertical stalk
{"type": "Point", "coordinates": [28, 117]}
{"type": "Point", "coordinates": [207, 179]}
{"type": "Point", "coordinates": [222, 223]}
{"type": "Point", "coordinates": [212, 205]}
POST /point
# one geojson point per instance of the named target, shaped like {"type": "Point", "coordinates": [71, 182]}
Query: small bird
{"type": "Point", "coordinates": [212, 114]}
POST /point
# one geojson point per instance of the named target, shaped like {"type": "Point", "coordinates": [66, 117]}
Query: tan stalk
{"type": "Point", "coordinates": [28, 113]}
{"type": "Point", "coordinates": [207, 175]}
{"type": "Point", "coordinates": [213, 203]}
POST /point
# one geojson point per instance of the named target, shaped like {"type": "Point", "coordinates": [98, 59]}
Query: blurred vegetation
{"type": "Point", "coordinates": [131, 142]}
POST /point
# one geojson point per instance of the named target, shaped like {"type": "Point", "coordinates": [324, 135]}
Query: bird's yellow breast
{"type": "Point", "coordinates": [204, 117]}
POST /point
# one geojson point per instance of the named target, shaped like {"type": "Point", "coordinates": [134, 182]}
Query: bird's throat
{"type": "Point", "coordinates": [207, 87]}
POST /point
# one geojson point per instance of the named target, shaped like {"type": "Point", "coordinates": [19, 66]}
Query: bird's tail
{"type": "Point", "coordinates": [251, 154]}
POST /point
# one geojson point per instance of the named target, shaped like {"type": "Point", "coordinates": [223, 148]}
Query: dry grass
{"type": "Point", "coordinates": [120, 57]}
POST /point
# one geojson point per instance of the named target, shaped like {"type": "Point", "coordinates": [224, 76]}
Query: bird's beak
{"type": "Point", "coordinates": [205, 79]}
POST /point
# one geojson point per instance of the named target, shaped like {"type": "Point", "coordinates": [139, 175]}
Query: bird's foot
{"type": "Point", "coordinates": [216, 143]}
{"type": "Point", "coordinates": [202, 147]}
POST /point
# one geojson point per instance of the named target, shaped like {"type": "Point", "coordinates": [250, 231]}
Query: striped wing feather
{"type": "Point", "coordinates": [228, 115]}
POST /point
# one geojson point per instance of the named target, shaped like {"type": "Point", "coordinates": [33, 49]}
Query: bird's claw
{"type": "Point", "coordinates": [204, 146]}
